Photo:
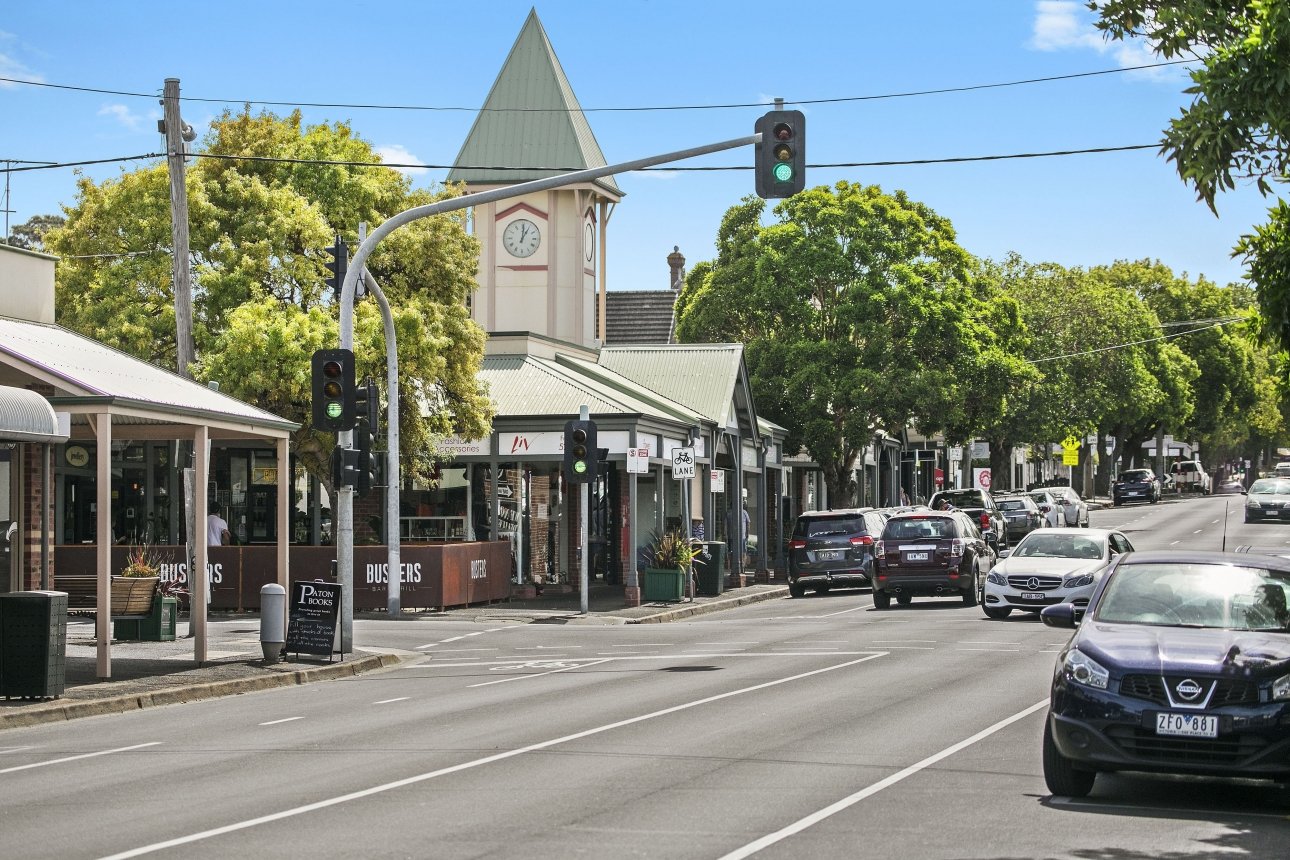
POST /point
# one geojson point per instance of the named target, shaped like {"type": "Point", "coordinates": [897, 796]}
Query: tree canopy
{"type": "Point", "coordinates": [258, 229]}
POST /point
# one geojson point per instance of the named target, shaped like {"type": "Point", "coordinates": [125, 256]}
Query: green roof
{"type": "Point", "coordinates": [531, 120]}
{"type": "Point", "coordinates": [528, 385]}
{"type": "Point", "coordinates": [702, 377]}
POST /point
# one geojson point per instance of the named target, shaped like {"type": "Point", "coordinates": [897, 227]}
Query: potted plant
{"type": "Point", "coordinates": [134, 588]}
{"type": "Point", "coordinates": [666, 561]}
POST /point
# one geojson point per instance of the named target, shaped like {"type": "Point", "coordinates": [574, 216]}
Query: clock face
{"type": "Point", "coordinates": [521, 238]}
{"type": "Point", "coordinates": [589, 241]}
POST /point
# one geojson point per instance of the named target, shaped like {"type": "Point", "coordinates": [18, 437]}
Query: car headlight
{"type": "Point", "coordinates": [1251, 502]}
{"type": "Point", "coordinates": [1079, 581]}
{"type": "Point", "coordinates": [1084, 670]}
{"type": "Point", "coordinates": [1281, 689]}
{"type": "Point", "coordinates": [996, 577]}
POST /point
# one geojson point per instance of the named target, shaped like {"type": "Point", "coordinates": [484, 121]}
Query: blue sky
{"type": "Point", "coordinates": [1075, 210]}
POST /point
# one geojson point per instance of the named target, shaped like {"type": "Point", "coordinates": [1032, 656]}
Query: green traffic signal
{"type": "Point", "coordinates": [783, 172]}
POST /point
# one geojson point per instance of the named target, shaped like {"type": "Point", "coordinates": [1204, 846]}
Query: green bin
{"type": "Point", "coordinates": [157, 626]}
{"type": "Point", "coordinates": [711, 570]}
{"type": "Point", "coordinates": [663, 584]}
{"type": "Point", "coordinates": [33, 644]}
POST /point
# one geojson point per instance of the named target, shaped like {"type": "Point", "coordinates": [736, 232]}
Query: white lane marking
{"type": "Point", "coordinates": [479, 762]}
{"type": "Point", "coordinates": [986, 642]}
{"type": "Point", "coordinates": [1198, 531]}
{"type": "Point", "coordinates": [1172, 543]}
{"type": "Point", "coordinates": [459, 638]}
{"type": "Point", "coordinates": [995, 650]}
{"type": "Point", "coordinates": [453, 650]}
{"type": "Point", "coordinates": [387, 701]}
{"type": "Point", "coordinates": [933, 641]}
{"type": "Point", "coordinates": [842, 611]}
{"type": "Point", "coordinates": [520, 661]}
{"type": "Point", "coordinates": [913, 647]}
{"type": "Point", "coordinates": [540, 674]}
{"type": "Point", "coordinates": [846, 802]}
{"type": "Point", "coordinates": [78, 757]}
{"type": "Point", "coordinates": [543, 647]}
{"type": "Point", "coordinates": [1213, 521]}
{"type": "Point", "coordinates": [283, 720]}
{"type": "Point", "coordinates": [651, 645]}
{"type": "Point", "coordinates": [14, 750]}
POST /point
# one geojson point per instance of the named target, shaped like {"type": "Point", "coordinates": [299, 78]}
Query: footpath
{"type": "Point", "coordinates": [150, 674]}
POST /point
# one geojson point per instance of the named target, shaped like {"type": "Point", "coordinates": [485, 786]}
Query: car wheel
{"type": "Point", "coordinates": [881, 600]}
{"type": "Point", "coordinates": [904, 599]}
{"type": "Point", "coordinates": [997, 612]}
{"type": "Point", "coordinates": [969, 596]}
{"type": "Point", "coordinates": [1060, 774]}
{"type": "Point", "coordinates": [797, 590]}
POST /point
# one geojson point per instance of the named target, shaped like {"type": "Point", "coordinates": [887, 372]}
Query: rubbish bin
{"type": "Point", "coordinates": [33, 644]}
{"type": "Point", "coordinates": [711, 569]}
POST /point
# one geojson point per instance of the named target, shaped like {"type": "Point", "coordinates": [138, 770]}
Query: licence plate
{"type": "Point", "coordinates": [1032, 595]}
{"type": "Point", "coordinates": [829, 555]}
{"type": "Point", "coordinates": [1187, 725]}
{"type": "Point", "coordinates": [916, 556]}
{"type": "Point", "coordinates": [1133, 492]}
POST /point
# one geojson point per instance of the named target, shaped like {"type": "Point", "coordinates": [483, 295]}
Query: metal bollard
{"type": "Point", "coordinates": [273, 623]}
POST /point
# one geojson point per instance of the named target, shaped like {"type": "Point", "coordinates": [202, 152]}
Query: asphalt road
{"type": "Point", "coordinates": [792, 728]}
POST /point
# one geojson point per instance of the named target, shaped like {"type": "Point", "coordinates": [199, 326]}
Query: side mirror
{"type": "Point", "coordinates": [1004, 553]}
{"type": "Point", "coordinates": [1066, 615]}
{"type": "Point", "coordinates": [992, 539]}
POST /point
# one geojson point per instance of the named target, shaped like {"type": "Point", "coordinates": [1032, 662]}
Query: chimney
{"type": "Point", "coordinates": [676, 261]}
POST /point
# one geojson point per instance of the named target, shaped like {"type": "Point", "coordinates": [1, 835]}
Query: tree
{"type": "Point", "coordinates": [859, 312]}
{"type": "Point", "coordinates": [31, 233]}
{"type": "Point", "coordinates": [257, 233]}
{"type": "Point", "coordinates": [1237, 125]}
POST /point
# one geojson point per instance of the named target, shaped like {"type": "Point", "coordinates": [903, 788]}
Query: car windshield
{"type": "Point", "coordinates": [960, 498]}
{"type": "Point", "coordinates": [1271, 485]}
{"type": "Point", "coordinates": [918, 528]}
{"type": "Point", "coordinates": [1036, 545]}
{"type": "Point", "coordinates": [829, 526]}
{"type": "Point", "coordinates": [1012, 505]}
{"type": "Point", "coordinates": [1136, 475]}
{"type": "Point", "coordinates": [1192, 594]}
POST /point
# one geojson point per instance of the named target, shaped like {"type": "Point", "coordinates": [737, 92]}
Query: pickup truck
{"type": "Point", "coordinates": [1190, 475]}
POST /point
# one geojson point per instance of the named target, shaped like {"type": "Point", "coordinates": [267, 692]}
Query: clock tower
{"type": "Point", "coordinates": [541, 255]}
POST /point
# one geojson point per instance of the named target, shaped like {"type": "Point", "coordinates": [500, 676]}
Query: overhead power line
{"type": "Point", "coordinates": [455, 108]}
{"type": "Point", "coordinates": [1176, 334]}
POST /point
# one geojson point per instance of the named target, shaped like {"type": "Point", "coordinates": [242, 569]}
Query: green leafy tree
{"type": "Point", "coordinates": [31, 233]}
{"type": "Point", "coordinates": [1238, 124]}
{"type": "Point", "coordinates": [859, 312]}
{"type": "Point", "coordinates": [258, 229]}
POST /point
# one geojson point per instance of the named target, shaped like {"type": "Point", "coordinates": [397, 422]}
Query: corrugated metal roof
{"type": "Point", "coordinates": [87, 368]}
{"type": "Point", "coordinates": [700, 376]}
{"type": "Point", "coordinates": [530, 385]}
{"type": "Point", "coordinates": [531, 119]}
{"type": "Point", "coordinates": [25, 416]}
{"type": "Point", "coordinates": [639, 316]}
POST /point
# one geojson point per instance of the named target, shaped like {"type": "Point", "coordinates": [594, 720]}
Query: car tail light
{"type": "Point", "coordinates": [985, 520]}
{"type": "Point", "coordinates": [1045, 508]}
{"type": "Point", "coordinates": [956, 547]}
{"type": "Point", "coordinates": [797, 544]}
{"type": "Point", "coordinates": [862, 540]}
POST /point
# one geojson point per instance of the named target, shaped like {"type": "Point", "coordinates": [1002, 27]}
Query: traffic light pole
{"type": "Point", "coordinates": [345, 495]}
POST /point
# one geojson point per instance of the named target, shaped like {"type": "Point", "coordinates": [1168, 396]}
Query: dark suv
{"type": "Point", "coordinates": [980, 506]}
{"type": "Point", "coordinates": [832, 548]}
{"type": "Point", "coordinates": [933, 553]}
{"type": "Point", "coordinates": [1135, 485]}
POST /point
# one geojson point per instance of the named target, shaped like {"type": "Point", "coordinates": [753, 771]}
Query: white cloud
{"type": "Point", "coordinates": [396, 154]}
{"type": "Point", "coordinates": [1063, 24]}
{"type": "Point", "coordinates": [123, 115]}
{"type": "Point", "coordinates": [11, 68]}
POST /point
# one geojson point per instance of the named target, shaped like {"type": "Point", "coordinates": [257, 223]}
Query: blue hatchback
{"type": "Point", "coordinates": [1180, 665]}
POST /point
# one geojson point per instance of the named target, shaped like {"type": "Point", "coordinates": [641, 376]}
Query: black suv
{"type": "Point", "coordinates": [1135, 485]}
{"type": "Point", "coordinates": [832, 548]}
{"type": "Point", "coordinates": [980, 506]}
{"type": "Point", "coordinates": [932, 553]}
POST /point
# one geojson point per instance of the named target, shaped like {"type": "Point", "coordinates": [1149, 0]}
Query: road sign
{"type": "Point", "coordinates": [638, 461]}
{"type": "Point", "coordinates": [983, 479]}
{"type": "Point", "coordinates": [683, 463]}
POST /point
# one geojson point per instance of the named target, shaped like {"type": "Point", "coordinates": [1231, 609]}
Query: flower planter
{"type": "Point", "coordinates": [663, 584]}
{"type": "Point", "coordinates": [132, 595]}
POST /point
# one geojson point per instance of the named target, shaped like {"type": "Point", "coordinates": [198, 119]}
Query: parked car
{"type": "Point", "coordinates": [1282, 470]}
{"type": "Point", "coordinates": [1229, 487]}
{"type": "Point", "coordinates": [1135, 485]}
{"type": "Point", "coordinates": [933, 554]}
{"type": "Point", "coordinates": [1050, 566]}
{"type": "Point", "coordinates": [977, 504]}
{"type": "Point", "coordinates": [1182, 670]}
{"type": "Point", "coordinates": [1021, 516]}
{"type": "Point", "coordinates": [1074, 508]}
{"type": "Point", "coordinates": [1268, 499]}
{"type": "Point", "coordinates": [831, 549]}
{"type": "Point", "coordinates": [1190, 476]}
{"type": "Point", "coordinates": [1053, 509]}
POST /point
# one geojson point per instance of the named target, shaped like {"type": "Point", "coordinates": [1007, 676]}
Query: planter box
{"type": "Point", "coordinates": [132, 595]}
{"type": "Point", "coordinates": [663, 584]}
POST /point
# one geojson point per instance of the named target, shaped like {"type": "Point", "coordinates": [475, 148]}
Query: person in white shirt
{"type": "Point", "coordinates": [217, 533]}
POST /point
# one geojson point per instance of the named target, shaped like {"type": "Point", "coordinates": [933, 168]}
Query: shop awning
{"type": "Point", "coordinates": [25, 416]}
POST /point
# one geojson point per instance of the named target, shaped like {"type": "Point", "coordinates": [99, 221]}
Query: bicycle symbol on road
{"type": "Point", "coordinates": [533, 665]}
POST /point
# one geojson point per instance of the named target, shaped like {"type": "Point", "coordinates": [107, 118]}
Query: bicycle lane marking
{"type": "Point", "coordinates": [832, 809]}
{"type": "Point", "coordinates": [479, 762]}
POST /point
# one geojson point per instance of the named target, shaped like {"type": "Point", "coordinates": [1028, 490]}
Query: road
{"type": "Point", "coordinates": [793, 728]}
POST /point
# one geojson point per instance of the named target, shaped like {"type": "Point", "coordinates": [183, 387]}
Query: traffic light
{"type": "Point", "coordinates": [580, 452]}
{"type": "Point", "coordinates": [337, 265]}
{"type": "Point", "coordinates": [333, 389]}
{"type": "Point", "coordinates": [367, 405]}
{"type": "Point", "coordinates": [781, 154]}
{"type": "Point", "coordinates": [344, 467]}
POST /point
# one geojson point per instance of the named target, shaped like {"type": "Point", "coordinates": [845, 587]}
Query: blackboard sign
{"type": "Point", "coordinates": [311, 617]}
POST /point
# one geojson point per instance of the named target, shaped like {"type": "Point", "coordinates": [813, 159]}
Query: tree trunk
{"type": "Point", "coordinates": [1000, 465]}
{"type": "Point", "coordinates": [1102, 477]}
{"type": "Point", "coordinates": [839, 480]}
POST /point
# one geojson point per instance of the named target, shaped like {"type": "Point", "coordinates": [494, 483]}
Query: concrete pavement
{"type": "Point", "coordinates": [149, 674]}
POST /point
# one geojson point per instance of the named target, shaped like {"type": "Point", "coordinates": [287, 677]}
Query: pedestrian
{"type": "Point", "coordinates": [217, 533]}
{"type": "Point", "coordinates": [904, 497]}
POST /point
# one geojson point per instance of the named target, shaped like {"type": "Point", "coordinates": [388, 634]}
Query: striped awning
{"type": "Point", "coordinates": [25, 416]}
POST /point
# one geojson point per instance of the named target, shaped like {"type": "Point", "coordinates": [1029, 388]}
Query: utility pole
{"type": "Point", "coordinates": [177, 135]}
